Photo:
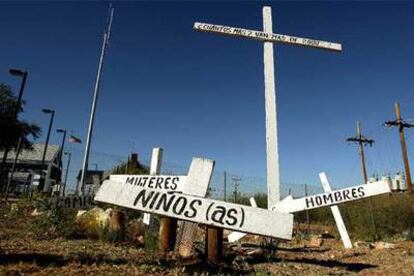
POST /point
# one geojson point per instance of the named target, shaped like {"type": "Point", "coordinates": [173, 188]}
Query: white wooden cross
{"type": "Point", "coordinates": [329, 198]}
{"type": "Point", "coordinates": [337, 214]}
{"type": "Point", "coordinates": [268, 37]}
{"type": "Point", "coordinates": [197, 209]}
{"type": "Point", "coordinates": [153, 180]}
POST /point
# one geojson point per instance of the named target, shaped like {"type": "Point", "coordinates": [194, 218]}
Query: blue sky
{"type": "Point", "coordinates": [199, 94]}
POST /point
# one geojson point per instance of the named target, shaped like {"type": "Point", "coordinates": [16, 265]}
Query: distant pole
{"type": "Point", "coordinates": [362, 142]}
{"type": "Point", "coordinates": [401, 124]}
{"type": "Point", "coordinates": [225, 185]}
{"type": "Point", "coordinates": [126, 166]}
{"type": "Point", "coordinates": [67, 171]}
{"type": "Point", "coordinates": [52, 116]}
{"type": "Point", "coordinates": [13, 168]}
{"type": "Point", "coordinates": [105, 43]}
{"type": "Point", "coordinates": [235, 187]}
{"type": "Point", "coordinates": [361, 152]}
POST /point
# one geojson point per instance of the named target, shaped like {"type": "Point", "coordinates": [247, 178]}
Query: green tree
{"type": "Point", "coordinates": [12, 128]}
{"type": "Point", "coordinates": [128, 168]}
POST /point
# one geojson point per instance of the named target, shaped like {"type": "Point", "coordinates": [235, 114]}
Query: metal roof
{"type": "Point", "coordinates": [35, 155]}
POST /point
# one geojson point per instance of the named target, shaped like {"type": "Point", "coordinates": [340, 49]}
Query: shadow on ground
{"type": "Point", "coordinates": [354, 267]}
{"type": "Point", "coordinates": [56, 260]}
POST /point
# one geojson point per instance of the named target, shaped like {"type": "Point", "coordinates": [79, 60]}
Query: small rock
{"type": "Point", "coordinates": [362, 244]}
{"type": "Point", "coordinates": [316, 241]}
{"type": "Point", "coordinates": [36, 213]}
{"type": "Point", "coordinates": [383, 245]}
{"type": "Point", "coordinates": [256, 252]}
{"type": "Point", "coordinates": [327, 235]}
{"type": "Point", "coordinates": [14, 208]}
{"type": "Point", "coordinates": [80, 213]}
{"type": "Point", "coordinates": [240, 263]}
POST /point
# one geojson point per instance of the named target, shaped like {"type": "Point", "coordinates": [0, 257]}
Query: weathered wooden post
{"type": "Point", "coordinates": [167, 233]}
{"type": "Point", "coordinates": [214, 244]}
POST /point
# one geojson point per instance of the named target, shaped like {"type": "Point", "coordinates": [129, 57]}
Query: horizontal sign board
{"type": "Point", "coordinates": [235, 236]}
{"type": "Point", "coordinates": [158, 182]}
{"type": "Point", "coordinates": [197, 209]}
{"type": "Point", "coordinates": [270, 37]}
{"type": "Point", "coordinates": [290, 205]}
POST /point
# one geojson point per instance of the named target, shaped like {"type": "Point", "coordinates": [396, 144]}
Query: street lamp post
{"type": "Point", "coordinates": [52, 112]}
{"type": "Point", "coordinates": [67, 171]}
{"type": "Point", "coordinates": [23, 74]}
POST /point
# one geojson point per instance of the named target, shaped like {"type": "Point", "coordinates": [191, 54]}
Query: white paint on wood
{"type": "Point", "coordinates": [156, 160]}
{"type": "Point", "coordinates": [146, 219]}
{"type": "Point", "coordinates": [272, 153]}
{"type": "Point", "coordinates": [290, 205]}
{"type": "Point", "coordinates": [337, 214]}
{"type": "Point", "coordinates": [174, 183]}
{"type": "Point", "coordinates": [235, 236]}
{"type": "Point", "coordinates": [267, 36]}
{"type": "Point", "coordinates": [155, 168]}
{"type": "Point", "coordinates": [199, 176]}
{"type": "Point", "coordinates": [197, 209]}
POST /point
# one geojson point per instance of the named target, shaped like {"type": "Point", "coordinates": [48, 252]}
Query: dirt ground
{"type": "Point", "coordinates": [23, 253]}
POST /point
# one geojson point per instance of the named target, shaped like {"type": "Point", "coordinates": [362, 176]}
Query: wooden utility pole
{"type": "Point", "coordinates": [236, 184]}
{"type": "Point", "coordinates": [401, 124]}
{"type": "Point", "coordinates": [225, 186]}
{"type": "Point", "coordinates": [362, 142]}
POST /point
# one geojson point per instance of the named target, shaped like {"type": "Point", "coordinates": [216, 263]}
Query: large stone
{"type": "Point", "coordinates": [93, 223]}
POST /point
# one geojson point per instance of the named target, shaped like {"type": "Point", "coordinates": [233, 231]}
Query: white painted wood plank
{"type": "Point", "coordinates": [290, 205]}
{"type": "Point", "coordinates": [155, 168]}
{"type": "Point", "coordinates": [235, 236]}
{"type": "Point", "coordinates": [156, 160]}
{"type": "Point", "coordinates": [197, 209]}
{"type": "Point", "coordinates": [199, 176]}
{"type": "Point", "coordinates": [174, 183]}
{"type": "Point", "coordinates": [272, 153]}
{"type": "Point", "coordinates": [266, 36]}
{"type": "Point", "coordinates": [337, 214]}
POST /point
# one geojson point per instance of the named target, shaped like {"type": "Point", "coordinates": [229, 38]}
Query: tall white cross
{"type": "Point", "coordinates": [268, 37]}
